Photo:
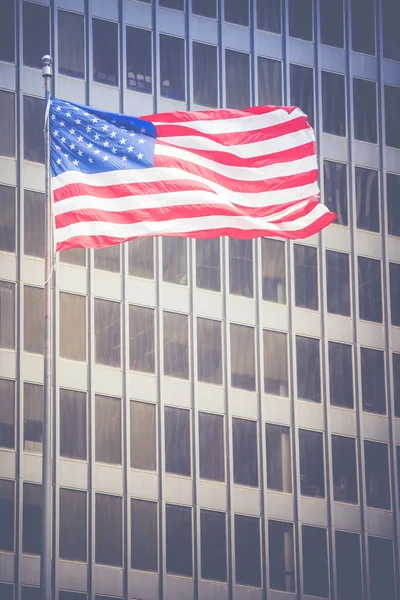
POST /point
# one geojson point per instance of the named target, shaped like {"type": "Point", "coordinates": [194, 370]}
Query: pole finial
{"type": "Point", "coordinates": [47, 61]}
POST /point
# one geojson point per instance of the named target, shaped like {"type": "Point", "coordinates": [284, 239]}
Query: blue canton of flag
{"type": "Point", "coordinates": [92, 141]}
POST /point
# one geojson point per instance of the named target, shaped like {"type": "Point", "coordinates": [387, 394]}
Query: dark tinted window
{"type": "Point", "coordinates": [308, 369]}
{"type": "Point", "coordinates": [237, 68]}
{"type": "Point", "coordinates": [373, 380]}
{"type": "Point", "coordinates": [306, 276]}
{"type": "Point", "coordinates": [174, 252]}
{"type": "Point", "coordinates": [340, 375]}
{"type": "Point", "coordinates": [73, 525]}
{"type": "Point", "coordinates": [241, 267]}
{"type": "Point", "coordinates": [174, 4]}
{"type": "Point", "coordinates": [73, 424]}
{"type": "Point", "coordinates": [301, 19]}
{"type": "Point", "coordinates": [33, 129]}
{"type": "Point", "coordinates": [333, 103]}
{"type": "Point", "coordinates": [394, 270]}
{"type": "Point", "coordinates": [34, 209]}
{"type": "Point", "coordinates": [139, 60]}
{"type": "Point", "coordinates": [302, 89]}
{"type": "Point", "coordinates": [273, 270]}
{"type": "Point", "coordinates": [365, 120]}
{"type": "Point", "coordinates": [109, 530]}
{"type": "Point", "coordinates": [370, 289]}
{"type": "Point", "coordinates": [205, 75]}
{"type": "Point", "coordinates": [33, 319]}
{"type": "Point", "coordinates": [71, 44]}
{"type": "Point", "coordinates": [213, 545]}
{"type": "Point", "coordinates": [72, 596]}
{"type": "Point", "coordinates": [105, 56]}
{"type": "Point", "coordinates": [242, 357]}
{"type": "Point", "coordinates": [33, 418]}
{"type": "Point", "coordinates": [348, 566]}
{"type": "Point", "coordinates": [390, 18]}
{"type": "Point", "coordinates": [237, 12]}
{"type": "Point", "coordinates": [36, 33]}
{"type": "Point", "coordinates": [31, 593]}
{"type": "Point", "coordinates": [7, 218]}
{"type": "Point", "coordinates": [381, 569]}
{"type": "Point", "coordinates": [141, 257]}
{"type": "Point", "coordinates": [315, 562]}
{"type": "Point", "coordinates": [367, 199]}
{"type": "Point", "coordinates": [363, 26]}
{"type": "Point", "coordinates": [247, 551]}
{"type": "Point", "coordinates": [396, 384]}
{"type": "Point", "coordinates": [7, 315]}
{"type": "Point", "coordinates": [344, 465]}
{"type": "Point", "coordinates": [338, 283]}
{"type": "Point", "coordinates": [31, 518]}
{"type": "Point", "coordinates": [209, 351]}
{"type": "Point", "coordinates": [208, 269]}
{"type": "Point", "coordinates": [393, 203]}
{"type": "Point", "coordinates": [141, 339]}
{"type": "Point", "coordinates": [211, 446]}
{"type": "Point", "coordinates": [7, 516]}
{"type": "Point", "coordinates": [74, 256]}
{"type": "Point", "coordinates": [108, 429]}
{"type": "Point", "coordinates": [245, 454]}
{"type": "Point", "coordinates": [7, 123]}
{"type": "Point", "coordinates": [279, 460]}
{"type": "Point", "coordinates": [377, 478]}
{"type": "Point", "coordinates": [6, 589]}
{"type": "Point", "coordinates": [107, 259]}
{"type": "Point", "coordinates": [392, 117]}
{"type": "Point", "coordinates": [143, 436]}
{"type": "Point", "coordinates": [335, 190]}
{"type": "Point", "coordinates": [172, 67]}
{"type": "Point", "coordinates": [281, 556]}
{"type": "Point", "coordinates": [332, 23]}
{"type": "Point", "coordinates": [107, 321]}
{"type": "Point", "coordinates": [275, 363]}
{"type": "Point", "coordinates": [7, 414]}
{"type": "Point", "coordinates": [312, 478]}
{"type": "Point", "coordinates": [144, 536]}
{"type": "Point", "coordinates": [7, 31]}
{"type": "Point", "coordinates": [205, 8]}
{"type": "Point", "coordinates": [269, 81]}
{"type": "Point", "coordinates": [176, 334]}
{"type": "Point", "coordinates": [73, 331]}
{"type": "Point", "coordinates": [179, 540]}
{"type": "Point", "coordinates": [269, 15]}
{"type": "Point", "coordinates": [177, 441]}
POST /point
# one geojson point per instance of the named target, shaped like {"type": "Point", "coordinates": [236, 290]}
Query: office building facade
{"type": "Point", "coordinates": [226, 413]}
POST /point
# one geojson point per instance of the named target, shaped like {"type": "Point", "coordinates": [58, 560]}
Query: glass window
{"type": "Point", "coordinates": [269, 81]}
{"type": "Point", "coordinates": [381, 569]}
{"type": "Point", "coordinates": [7, 31]}
{"type": "Point", "coordinates": [306, 276]}
{"type": "Point", "coordinates": [273, 270]}
{"type": "Point", "coordinates": [7, 315]}
{"type": "Point", "coordinates": [208, 269]}
{"type": "Point", "coordinates": [72, 596]}
{"type": "Point", "coordinates": [211, 446]}
{"type": "Point", "coordinates": [139, 60]}
{"type": "Point", "coordinates": [205, 8]}
{"type": "Point", "coordinates": [302, 89]}
{"type": "Point", "coordinates": [276, 378]}
{"type": "Point", "coordinates": [177, 441]}
{"type": "Point", "coordinates": [108, 430]}
{"type": "Point", "coordinates": [398, 466]}
{"type": "Point", "coordinates": [205, 75]}
{"type": "Point", "coordinates": [174, 252]}
{"type": "Point", "coordinates": [247, 551]}
{"type": "Point", "coordinates": [176, 340]}
{"type": "Point", "coordinates": [245, 452]}
{"type": "Point", "coordinates": [338, 283]}
{"type": "Point", "coordinates": [209, 351]}
{"type": "Point", "coordinates": [377, 478]}
{"type": "Point", "coordinates": [312, 477]}
{"type": "Point", "coordinates": [237, 68]}
{"type": "Point", "coordinates": [179, 540]}
{"type": "Point", "coordinates": [143, 436]}
{"type": "Point", "coordinates": [241, 267]}
{"type": "Point", "coordinates": [105, 56]}
{"type": "Point", "coordinates": [107, 259]}
{"type": "Point", "coordinates": [144, 535]}
{"type": "Point", "coordinates": [71, 44]}
{"type": "Point", "coordinates": [282, 570]}
{"type": "Point", "coordinates": [332, 23]}
{"type": "Point", "coordinates": [172, 67]}
{"type": "Point", "coordinates": [7, 516]}
{"type": "Point", "coordinates": [396, 384]}
{"type": "Point", "coordinates": [333, 103]}
{"type": "Point", "coordinates": [7, 123]}
{"type": "Point", "coordinates": [73, 525]}
{"type": "Point", "coordinates": [107, 318]}
{"type": "Point", "coordinates": [315, 562]}
{"type": "Point", "coordinates": [36, 33]}
{"type": "Point", "coordinates": [7, 218]}
{"type": "Point", "coordinates": [7, 414]}
{"type": "Point", "coordinates": [72, 326]}
{"type": "Point", "coordinates": [348, 566]}
{"type": "Point", "coordinates": [109, 530]}
{"type": "Point", "coordinates": [392, 118]}
{"type": "Point", "coordinates": [141, 257]}
{"type": "Point", "coordinates": [279, 460]}
{"type": "Point", "coordinates": [308, 369]}
{"type": "Point", "coordinates": [394, 270]}
{"type": "Point", "coordinates": [269, 15]}
{"type": "Point", "coordinates": [393, 203]}
{"type": "Point", "coordinates": [344, 463]}
{"type": "Point", "coordinates": [6, 589]}
{"type": "Point", "coordinates": [237, 12]}
{"type": "Point", "coordinates": [390, 18]}
{"type": "Point", "coordinates": [74, 256]}
{"type": "Point", "coordinates": [341, 375]}
{"type": "Point", "coordinates": [33, 127]}
{"type": "Point", "coordinates": [174, 4]}
{"type": "Point", "coordinates": [301, 19]}
{"type": "Point", "coordinates": [370, 289]}
{"type": "Point", "coordinates": [33, 319]}
{"type": "Point", "coordinates": [365, 120]}
{"type": "Point", "coordinates": [31, 518]}
{"type": "Point", "coordinates": [141, 339]}
{"type": "Point", "coordinates": [367, 199]}
{"type": "Point", "coordinates": [73, 424]}
{"type": "Point", "coordinates": [213, 545]}
{"type": "Point", "coordinates": [34, 213]}
{"type": "Point", "coordinates": [31, 593]}
{"type": "Point", "coordinates": [363, 26]}
{"type": "Point", "coordinates": [373, 380]}
{"type": "Point", "coordinates": [335, 190]}
{"type": "Point", "coordinates": [33, 418]}
{"type": "Point", "coordinates": [243, 369]}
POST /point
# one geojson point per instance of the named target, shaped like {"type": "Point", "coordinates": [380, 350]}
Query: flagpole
{"type": "Point", "coordinates": [46, 525]}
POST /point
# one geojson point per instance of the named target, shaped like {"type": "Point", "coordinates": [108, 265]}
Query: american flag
{"type": "Point", "coordinates": [241, 173]}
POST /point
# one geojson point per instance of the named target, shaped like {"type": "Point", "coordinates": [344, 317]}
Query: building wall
{"type": "Point", "coordinates": [336, 486]}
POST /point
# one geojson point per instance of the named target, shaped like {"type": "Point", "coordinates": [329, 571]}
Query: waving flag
{"type": "Point", "coordinates": [244, 174]}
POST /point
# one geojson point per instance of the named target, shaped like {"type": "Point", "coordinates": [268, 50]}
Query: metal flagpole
{"type": "Point", "coordinates": [46, 532]}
